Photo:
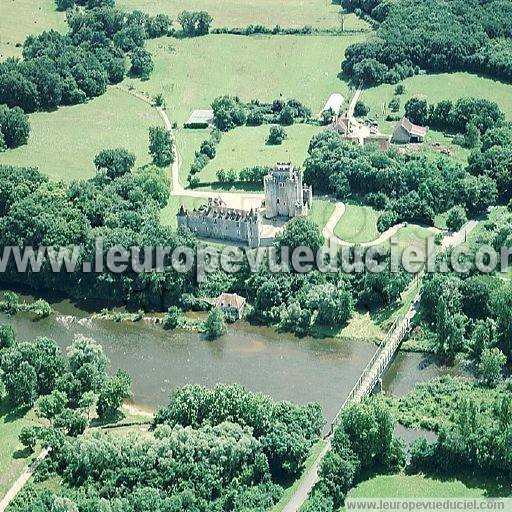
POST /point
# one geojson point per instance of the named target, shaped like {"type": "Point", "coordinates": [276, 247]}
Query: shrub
{"type": "Point", "coordinates": [276, 135]}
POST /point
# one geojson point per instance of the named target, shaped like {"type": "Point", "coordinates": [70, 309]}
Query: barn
{"type": "Point", "coordinates": [406, 132]}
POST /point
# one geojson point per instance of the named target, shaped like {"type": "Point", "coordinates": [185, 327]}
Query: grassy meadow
{"type": "Point", "coordinates": [232, 13]}
{"type": "Point", "coordinates": [37, 16]}
{"type": "Point", "coordinates": [246, 146]}
{"type": "Point", "coordinates": [190, 73]}
{"type": "Point", "coordinates": [63, 143]}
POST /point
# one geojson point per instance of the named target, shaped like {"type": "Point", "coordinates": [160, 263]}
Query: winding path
{"type": "Point", "coordinates": [337, 215]}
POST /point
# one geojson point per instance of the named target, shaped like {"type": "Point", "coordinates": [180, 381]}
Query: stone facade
{"type": "Point", "coordinates": [285, 195]}
{"type": "Point", "coordinates": [216, 220]}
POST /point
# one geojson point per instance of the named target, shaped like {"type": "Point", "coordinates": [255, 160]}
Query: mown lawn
{"type": "Point", "coordinates": [247, 147]}
{"type": "Point", "coordinates": [358, 224]}
{"type": "Point", "coordinates": [13, 456]}
{"type": "Point", "coordinates": [19, 18]}
{"type": "Point", "coordinates": [420, 486]}
{"type": "Point", "coordinates": [192, 72]}
{"type": "Point", "coordinates": [321, 212]}
{"type": "Point", "coordinates": [63, 143]}
{"type": "Point", "coordinates": [233, 13]}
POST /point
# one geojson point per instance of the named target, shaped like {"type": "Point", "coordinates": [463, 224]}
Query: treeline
{"type": "Point", "coordinates": [69, 69]}
{"type": "Point", "coordinates": [211, 450]}
{"type": "Point", "coordinates": [63, 389]}
{"type": "Point", "coordinates": [298, 302]}
{"type": "Point", "coordinates": [441, 35]}
{"type": "Point", "coordinates": [409, 188]}
{"type": "Point", "coordinates": [121, 205]}
{"type": "Point", "coordinates": [230, 111]}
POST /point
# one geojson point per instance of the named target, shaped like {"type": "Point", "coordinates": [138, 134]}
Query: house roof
{"type": "Point", "coordinates": [230, 300]}
{"type": "Point", "coordinates": [200, 116]}
{"type": "Point", "coordinates": [412, 129]}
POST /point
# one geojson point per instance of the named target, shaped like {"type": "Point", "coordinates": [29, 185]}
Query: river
{"type": "Point", "coordinates": [262, 359]}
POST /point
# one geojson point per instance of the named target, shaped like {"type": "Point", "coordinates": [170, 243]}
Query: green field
{"type": "Point", "coordinates": [13, 457]}
{"type": "Point", "coordinates": [246, 147]}
{"type": "Point", "coordinates": [413, 235]}
{"type": "Point", "coordinates": [191, 72]}
{"type": "Point", "coordinates": [420, 486]}
{"type": "Point", "coordinates": [19, 18]}
{"type": "Point", "coordinates": [232, 13]}
{"type": "Point", "coordinates": [358, 224]}
{"type": "Point", "coordinates": [63, 143]}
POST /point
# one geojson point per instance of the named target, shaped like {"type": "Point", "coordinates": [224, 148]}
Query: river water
{"type": "Point", "coordinates": [260, 358]}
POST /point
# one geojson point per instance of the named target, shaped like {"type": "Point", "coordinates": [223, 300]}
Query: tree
{"type": "Point", "coordinates": [142, 63]}
{"type": "Point", "coordinates": [228, 112]}
{"type": "Point", "coordinates": [172, 317]}
{"type": "Point", "coordinates": [86, 402]}
{"type": "Point", "coordinates": [334, 305]}
{"type": "Point", "coordinates": [160, 146]}
{"type": "Point", "coordinates": [195, 23]}
{"type": "Point", "coordinates": [276, 135]}
{"type": "Point", "coordinates": [215, 325]}
{"type": "Point", "coordinates": [416, 110]}
{"type": "Point", "coordinates": [300, 232]}
{"type": "Point", "coordinates": [472, 136]}
{"type": "Point", "coordinates": [88, 363]}
{"type": "Point", "coordinates": [360, 109]}
{"type": "Point", "coordinates": [52, 405]}
{"type": "Point", "coordinates": [115, 162]}
{"type": "Point", "coordinates": [394, 104]}
{"type": "Point", "coordinates": [456, 218]}
{"type": "Point", "coordinates": [7, 336]}
{"type": "Point", "coordinates": [208, 148]}
{"type": "Point", "coordinates": [287, 115]}
{"type": "Point", "coordinates": [327, 116]}
{"type": "Point", "coordinates": [491, 365]}
{"type": "Point", "coordinates": [400, 89]}
{"type": "Point", "coordinates": [14, 126]}
{"type": "Point", "coordinates": [113, 393]}
{"type": "Point", "coordinates": [29, 436]}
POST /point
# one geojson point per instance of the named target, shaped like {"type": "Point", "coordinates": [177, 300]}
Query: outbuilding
{"type": "Point", "coordinates": [406, 132]}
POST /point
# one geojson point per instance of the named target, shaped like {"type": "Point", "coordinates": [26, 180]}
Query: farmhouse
{"type": "Point", "coordinates": [285, 195]}
{"type": "Point", "coordinates": [406, 132]}
{"type": "Point", "coordinates": [231, 304]}
{"type": "Point", "coordinates": [216, 220]}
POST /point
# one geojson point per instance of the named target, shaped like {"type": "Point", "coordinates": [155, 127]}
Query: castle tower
{"type": "Point", "coordinates": [285, 194]}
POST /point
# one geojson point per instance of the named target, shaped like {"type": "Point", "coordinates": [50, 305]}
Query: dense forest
{"type": "Point", "coordinates": [433, 35]}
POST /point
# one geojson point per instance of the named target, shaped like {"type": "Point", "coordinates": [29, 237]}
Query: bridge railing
{"type": "Point", "coordinates": [377, 364]}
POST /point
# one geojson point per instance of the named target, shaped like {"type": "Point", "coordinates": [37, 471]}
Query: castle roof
{"type": "Point", "coordinates": [217, 209]}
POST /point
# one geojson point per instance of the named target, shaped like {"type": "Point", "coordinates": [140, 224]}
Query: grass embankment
{"type": "Point", "coordinates": [358, 224]}
{"type": "Point", "coordinates": [421, 486]}
{"type": "Point", "coordinates": [20, 18]}
{"type": "Point", "coordinates": [64, 143]}
{"type": "Point", "coordinates": [232, 13]}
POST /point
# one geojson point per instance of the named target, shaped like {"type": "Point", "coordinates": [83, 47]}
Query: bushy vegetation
{"type": "Point", "coordinates": [363, 444]}
{"type": "Point", "coordinates": [473, 425]}
{"type": "Point", "coordinates": [14, 127]}
{"type": "Point", "coordinates": [230, 112]}
{"type": "Point", "coordinates": [67, 69]}
{"type": "Point", "coordinates": [412, 188]}
{"type": "Point", "coordinates": [460, 36]}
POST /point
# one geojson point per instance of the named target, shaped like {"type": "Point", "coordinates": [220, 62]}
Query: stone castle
{"type": "Point", "coordinates": [285, 197]}
{"type": "Point", "coordinates": [217, 220]}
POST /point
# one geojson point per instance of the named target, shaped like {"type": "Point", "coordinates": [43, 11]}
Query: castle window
{"type": "Point", "coordinates": [277, 201]}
